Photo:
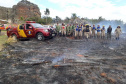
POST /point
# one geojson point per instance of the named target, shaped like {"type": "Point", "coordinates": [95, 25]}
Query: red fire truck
{"type": "Point", "coordinates": [31, 29]}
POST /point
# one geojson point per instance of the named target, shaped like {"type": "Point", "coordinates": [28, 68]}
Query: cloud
{"type": "Point", "coordinates": [90, 9]}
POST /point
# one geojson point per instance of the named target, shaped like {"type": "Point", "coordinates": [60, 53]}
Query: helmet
{"type": "Point", "coordinates": [87, 24]}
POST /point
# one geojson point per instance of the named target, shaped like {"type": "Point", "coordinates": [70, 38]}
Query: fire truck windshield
{"type": "Point", "coordinates": [37, 25]}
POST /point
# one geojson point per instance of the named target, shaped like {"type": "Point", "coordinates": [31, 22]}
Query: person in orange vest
{"type": "Point", "coordinates": [63, 29]}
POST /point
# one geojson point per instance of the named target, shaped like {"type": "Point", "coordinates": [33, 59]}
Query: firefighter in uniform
{"type": "Point", "coordinates": [67, 30]}
{"type": "Point", "coordinates": [63, 29]}
{"type": "Point", "coordinates": [93, 31]}
{"type": "Point", "coordinates": [76, 31]}
{"type": "Point", "coordinates": [109, 30]}
{"type": "Point", "coordinates": [103, 32]}
{"type": "Point", "coordinates": [87, 31]}
{"type": "Point", "coordinates": [98, 31]}
{"type": "Point", "coordinates": [57, 29]}
{"type": "Point", "coordinates": [80, 31]}
{"type": "Point", "coordinates": [84, 33]}
{"type": "Point", "coordinates": [118, 31]}
{"type": "Point", "coordinates": [70, 30]}
{"type": "Point", "coordinates": [90, 31]}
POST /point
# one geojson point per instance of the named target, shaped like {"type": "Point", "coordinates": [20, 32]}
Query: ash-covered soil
{"type": "Point", "coordinates": [63, 60]}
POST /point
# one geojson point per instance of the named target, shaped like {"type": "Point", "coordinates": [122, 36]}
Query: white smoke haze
{"type": "Point", "coordinates": [113, 24]}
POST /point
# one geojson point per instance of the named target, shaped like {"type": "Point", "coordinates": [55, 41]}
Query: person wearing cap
{"type": "Point", "coordinates": [98, 31]}
{"type": "Point", "coordinates": [118, 31]}
{"type": "Point", "coordinates": [103, 32]}
{"type": "Point", "coordinates": [76, 31]}
{"type": "Point", "coordinates": [93, 31]}
{"type": "Point", "coordinates": [109, 30]}
{"type": "Point", "coordinates": [63, 29]}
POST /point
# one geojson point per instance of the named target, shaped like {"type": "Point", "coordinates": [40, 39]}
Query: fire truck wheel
{"type": "Point", "coordinates": [40, 37]}
{"type": "Point", "coordinates": [14, 37]}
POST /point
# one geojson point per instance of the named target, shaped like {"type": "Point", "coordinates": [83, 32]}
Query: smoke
{"type": "Point", "coordinates": [113, 23]}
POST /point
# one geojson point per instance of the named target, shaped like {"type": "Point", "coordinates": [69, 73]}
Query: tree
{"type": "Point", "coordinates": [21, 18]}
{"type": "Point", "coordinates": [67, 19]}
{"type": "Point", "coordinates": [47, 12]}
{"type": "Point", "coordinates": [74, 15]}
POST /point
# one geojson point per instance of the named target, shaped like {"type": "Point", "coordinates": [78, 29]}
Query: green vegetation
{"type": "Point", "coordinates": [41, 20]}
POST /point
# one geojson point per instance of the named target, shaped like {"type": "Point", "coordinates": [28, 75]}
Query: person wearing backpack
{"type": "Point", "coordinates": [87, 31]}
{"type": "Point", "coordinates": [103, 32]}
{"type": "Point", "coordinates": [93, 31]}
{"type": "Point", "coordinates": [109, 30]}
{"type": "Point", "coordinates": [98, 31]}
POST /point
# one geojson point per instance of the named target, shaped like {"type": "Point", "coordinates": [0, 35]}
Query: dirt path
{"type": "Point", "coordinates": [64, 61]}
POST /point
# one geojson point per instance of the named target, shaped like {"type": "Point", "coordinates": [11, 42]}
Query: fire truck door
{"type": "Point", "coordinates": [29, 30]}
{"type": "Point", "coordinates": [21, 31]}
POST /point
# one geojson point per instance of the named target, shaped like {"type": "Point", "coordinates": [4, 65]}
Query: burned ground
{"type": "Point", "coordinates": [62, 60]}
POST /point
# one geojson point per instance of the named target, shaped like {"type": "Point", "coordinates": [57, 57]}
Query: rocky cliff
{"type": "Point", "coordinates": [5, 13]}
{"type": "Point", "coordinates": [23, 9]}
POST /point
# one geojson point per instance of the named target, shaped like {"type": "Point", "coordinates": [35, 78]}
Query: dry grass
{"type": "Point", "coordinates": [3, 39]}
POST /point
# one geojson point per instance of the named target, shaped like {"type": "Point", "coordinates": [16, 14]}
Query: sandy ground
{"type": "Point", "coordinates": [62, 60]}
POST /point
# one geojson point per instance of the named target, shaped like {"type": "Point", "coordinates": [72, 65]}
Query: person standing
{"type": "Point", "coordinates": [118, 31]}
{"type": "Point", "coordinates": [63, 29]}
{"type": "Point", "coordinates": [98, 31]}
{"type": "Point", "coordinates": [109, 30]}
{"type": "Point", "coordinates": [103, 32]}
{"type": "Point", "coordinates": [93, 31]}
{"type": "Point", "coordinates": [73, 28]}
{"type": "Point", "coordinates": [0, 31]}
{"type": "Point", "coordinates": [90, 30]}
{"type": "Point", "coordinates": [87, 31]}
{"type": "Point", "coordinates": [76, 31]}
{"type": "Point", "coordinates": [67, 30]}
{"type": "Point", "coordinates": [80, 31]}
{"type": "Point", "coordinates": [70, 29]}
{"type": "Point", "coordinates": [57, 29]}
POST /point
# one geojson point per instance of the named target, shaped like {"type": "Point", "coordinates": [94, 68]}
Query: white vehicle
{"type": "Point", "coordinates": [46, 26]}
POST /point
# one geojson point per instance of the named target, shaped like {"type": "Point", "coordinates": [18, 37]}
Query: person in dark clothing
{"type": "Point", "coordinates": [0, 31]}
{"type": "Point", "coordinates": [109, 30]}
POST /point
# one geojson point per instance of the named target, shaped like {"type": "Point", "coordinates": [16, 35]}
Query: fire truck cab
{"type": "Point", "coordinates": [31, 29]}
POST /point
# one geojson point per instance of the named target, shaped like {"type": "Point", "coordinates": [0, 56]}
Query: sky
{"type": "Point", "coordinates": [108, 9]}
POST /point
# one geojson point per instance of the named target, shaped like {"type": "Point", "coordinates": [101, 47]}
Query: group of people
{"type": "Point", "coordinates": [86, 31]}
